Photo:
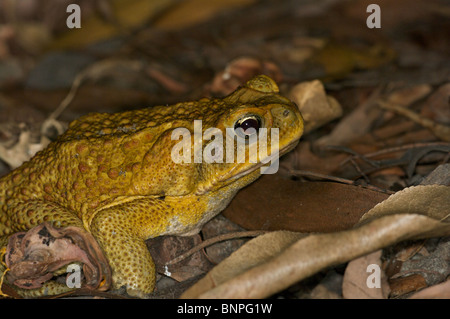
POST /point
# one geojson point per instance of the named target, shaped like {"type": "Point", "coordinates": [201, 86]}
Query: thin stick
{"type": "Point", "coordinates": [395, 149]}
{"type": "Point", "coordinates": [299, 173]}
{"type": "Point", "coordinates": [211, 241]}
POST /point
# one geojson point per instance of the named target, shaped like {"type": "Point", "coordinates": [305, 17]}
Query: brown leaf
{"type": "Point", "coordinates": [441, 291]}
{"type": "Point", "coordinates": [186, 13]}
{"type": "Point", "coordinates": [304, 157]}
{"type": "Point", "coordinates": [274, 203]}
{"type": "Point", "coordinates": [239, 71]}
{"type": "Point", "coordinates": [164, 249]}
{"type": "Point", "coordinates": [361, 120]}
{"type": "Point", "coordinates": [441, 131]}
{"type": "Point", "coordinates": [329, 288]}
{"type": "Point", "coordinates": [218, 226]}
{"type": "Point", "coordinates": [356, 276]}
{"type": "Point", "coordinates": [440, 175]}
{"type": "Point", "coordinates": [355, 124]}
{"type": "Point", "coordinates": [436, 107]}
{"type": "Point", "coordinates": [403, 285]}
{"type": "Point", "coordinates": [129, 15]}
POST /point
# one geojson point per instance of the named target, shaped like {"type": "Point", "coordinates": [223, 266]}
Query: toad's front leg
{"type": "Point", "coordinates": [121, 231]}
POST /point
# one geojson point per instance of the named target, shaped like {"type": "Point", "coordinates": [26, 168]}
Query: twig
{"type": "Point", "coordinates": [211, 241]}
{"type": "Point", "coordinates": [358, 169]}
{"type": "Point", "coordinates": [69, 97]}
{"type": "Point", "coordinates": [299, 173]}
{"type": "Point", "coordinates": [441, 131]}
{"type": "Point", "coordinates": [391, 150]}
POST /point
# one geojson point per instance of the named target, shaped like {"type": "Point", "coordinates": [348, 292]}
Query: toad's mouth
{"type": "Point", "coordinates": [235, 173]}
{"type": "Point", "coordinates": [261, 163]}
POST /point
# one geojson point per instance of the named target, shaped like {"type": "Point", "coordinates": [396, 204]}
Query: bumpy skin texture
{"type": "Point", "coordinates": [113, 175]}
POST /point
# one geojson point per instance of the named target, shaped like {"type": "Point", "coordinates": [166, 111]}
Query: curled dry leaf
{"type": "Point", "coordinates": [316, 107]}
{"type": "Point", "coordinates": [430, 200]}
{"type": "Point", "coordinates": [272, 262]}
{"type": "Point", "coordinates": [257, 251]}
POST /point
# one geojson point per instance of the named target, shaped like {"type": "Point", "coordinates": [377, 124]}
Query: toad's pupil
{"type": "Point", "coordinates": [249, 123]}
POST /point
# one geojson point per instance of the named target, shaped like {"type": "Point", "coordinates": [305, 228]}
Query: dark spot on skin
{"type": "Point", "coordinates": [163, 197]}
{"type": "Point", "coordinates": [44, 232]}
{"type": "Point", "coordinates": [47, 239]}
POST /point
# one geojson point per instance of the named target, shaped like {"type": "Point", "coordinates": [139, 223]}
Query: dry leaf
{"type": "Point", "coordinates": [329, 288]}
{"type": "Point", "coordinates": [404, 285]}
{"type": "Point", "coordinates": [316, 107]}
{"type": "Point", "coordinates": [240, 70]}
{"type": "Point", "coordinates": [215, 227]}
{"type": "Point", "coordinates": [354, 125]}
{"type": "Point", "coordinates": [23, 150]}
{"type": "Point", "coordinates": [360, 121]}
{"type": "Point", "coordinates": [187, 13]}
{"type": "Point", "coordinates": [436, 107]}
{"type": "Point", "coordinates": [339, 60]}
{"type": "Point", "coordinates": [405, 215]}
{"type": "Point", "coordinates": [165, 248]}
{"type": "Point", "coordinates": [429, 200]}
{"type": "Point", "coordinates": [440, 175]}
{"type": "Point", "coordinates": [415, 266]}
{"type": "Point", "coordinates": [439, 130]}
{"type": "Point", "coordinates": [304, 158]}
{"type": "Point", "coordinates": [355, 285]}
{"type": "Point", "coordinates": [130, 14]}
{"type": "Point", "coordinates": [257, 251]}
{"type": "Point", "coordinates": [312, 254]}
{"type": "Point", "coordinates": [441, 291]}
{"type": "Point", "coordinates": [274, 203]}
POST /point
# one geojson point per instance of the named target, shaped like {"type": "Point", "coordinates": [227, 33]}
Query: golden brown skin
{"type": "Point", "coordinates": [113, 175]}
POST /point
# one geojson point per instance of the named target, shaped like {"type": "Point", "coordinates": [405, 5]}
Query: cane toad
{"type": "Point", "coordinates": [115, 175]}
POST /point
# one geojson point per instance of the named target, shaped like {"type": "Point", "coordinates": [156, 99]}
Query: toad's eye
{"type": "Point", "coordinates": [247, 126]}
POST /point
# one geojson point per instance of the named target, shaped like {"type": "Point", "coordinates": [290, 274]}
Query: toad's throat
{"type": "Point", "coordinates": [234, 174]}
